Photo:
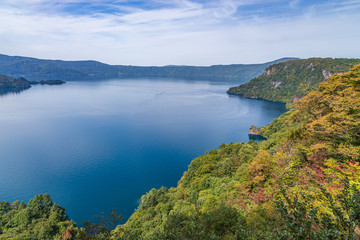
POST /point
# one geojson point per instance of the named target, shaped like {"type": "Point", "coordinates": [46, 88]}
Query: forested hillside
{"type": "Point", "coordinates": [301, 183]}
{"type": "Point", "coordinates": [8, 84]}
{"type": "Point", "coordinates": [288, 81]}
{"type": "Point", "coordinates": [11, 85]}
{"type": "Point", "coordinates": [39, 69]}
{"type": "Point", "coordinates": [283, 188]}
{"type": "Point", "coordinates": [40, 218]}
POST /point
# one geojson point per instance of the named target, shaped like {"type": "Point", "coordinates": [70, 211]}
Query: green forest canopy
{"type": "Point", "coordinates": [288, 81]}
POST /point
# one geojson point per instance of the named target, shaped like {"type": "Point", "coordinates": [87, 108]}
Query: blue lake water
{"type": "Point", "coordinates": [94, 146]}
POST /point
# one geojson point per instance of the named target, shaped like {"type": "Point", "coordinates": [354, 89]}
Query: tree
{"type": "Point", "coordinates": [101, 228]}
{"type": "Point", "coordinates": [303, 221]}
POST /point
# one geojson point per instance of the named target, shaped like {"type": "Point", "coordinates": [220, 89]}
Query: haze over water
{"type": "Point", "coordinates": [94, 146]}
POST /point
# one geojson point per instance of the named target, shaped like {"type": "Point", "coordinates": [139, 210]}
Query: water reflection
{"type": "Point", "coordinates": [6, 91]}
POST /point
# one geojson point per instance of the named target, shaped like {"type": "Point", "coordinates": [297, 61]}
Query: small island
{"type": "Point", "coordinates": [47, 82]}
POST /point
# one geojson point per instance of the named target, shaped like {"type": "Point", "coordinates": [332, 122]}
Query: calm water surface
{"type": "Point", "coordinates": [94, 146]}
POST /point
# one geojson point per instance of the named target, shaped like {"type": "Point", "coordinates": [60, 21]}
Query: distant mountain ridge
{"type": "Point", "coordinates": [288, 81]}
{"type": "Point", "coordinates": [39, 69]}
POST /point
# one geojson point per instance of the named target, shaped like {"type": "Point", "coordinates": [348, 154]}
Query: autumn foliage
{"type": "Point", "coordinates": [301, 183]}
{"type": "Point", "coordinates": [309, 153]}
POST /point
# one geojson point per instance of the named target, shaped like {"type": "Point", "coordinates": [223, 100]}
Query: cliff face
{"type": "Point", "coordinates": [254, 130]}
{"type": "Point", "coordinates": [289, 81]}
{"type": "Point", "coordinates": [255, 133]}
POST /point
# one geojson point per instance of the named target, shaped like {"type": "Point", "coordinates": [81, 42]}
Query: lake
{"type": "Point", "coordinates": [95, 146]}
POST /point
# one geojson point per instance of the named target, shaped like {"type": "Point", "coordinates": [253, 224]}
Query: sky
{"type": "Point", "coordinates": [179, 32]}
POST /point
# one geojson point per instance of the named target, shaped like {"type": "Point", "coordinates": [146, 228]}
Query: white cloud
{"type": "Point", "coordinates": [184, 32]}
{"type": "Point", "coordinates": [294, 3]}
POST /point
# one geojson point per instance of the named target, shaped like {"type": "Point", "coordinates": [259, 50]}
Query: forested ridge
{"type": "Point", "coordinates": [301, 183]}
{"type": "Point", "coordinates": [288, 81]}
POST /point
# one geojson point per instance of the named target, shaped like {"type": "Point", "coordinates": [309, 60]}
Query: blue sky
{"type": "Point", "coordinates": [190, 32]}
